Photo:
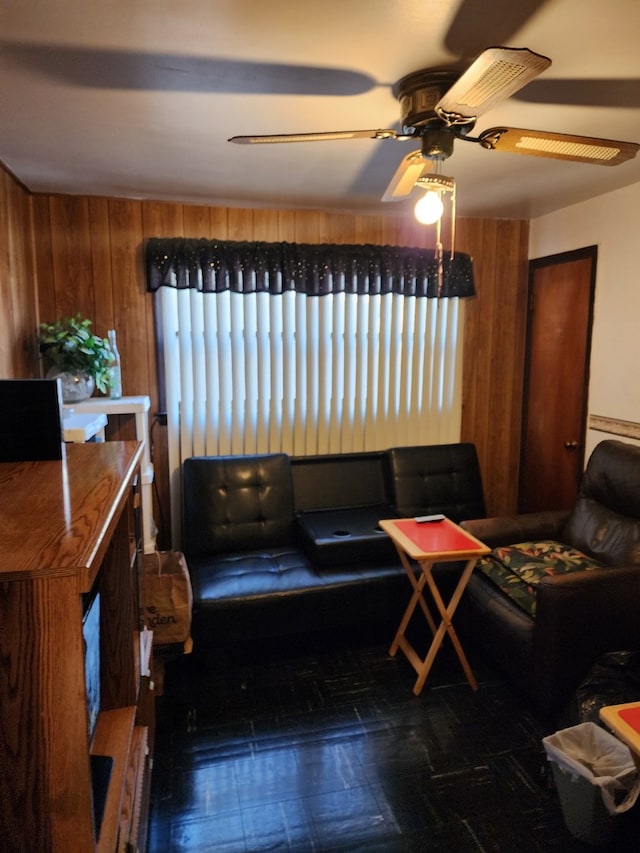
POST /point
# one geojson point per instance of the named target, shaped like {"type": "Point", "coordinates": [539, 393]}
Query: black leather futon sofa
{"type": "Point", "coordinates": [278, 545]}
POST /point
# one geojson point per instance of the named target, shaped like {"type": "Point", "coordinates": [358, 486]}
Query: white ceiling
{"type": "Point", "coordinates": [137, 98]}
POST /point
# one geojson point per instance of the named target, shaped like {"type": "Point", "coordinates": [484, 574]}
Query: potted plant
{"type": "Point", "coordinates": [80, 358]}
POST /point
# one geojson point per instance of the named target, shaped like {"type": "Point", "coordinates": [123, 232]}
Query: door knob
{"type": "Point", "coordinates": [571, 445]}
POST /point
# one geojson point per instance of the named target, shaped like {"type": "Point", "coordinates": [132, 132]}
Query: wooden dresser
{"type": "Point", "coordinates": [69, 532]}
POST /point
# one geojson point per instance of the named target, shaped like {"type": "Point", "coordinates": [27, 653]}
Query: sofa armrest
{"type": "Point", "coordinates": [510, 529]}
{"type": "Point", "coordinates": [579, 617]}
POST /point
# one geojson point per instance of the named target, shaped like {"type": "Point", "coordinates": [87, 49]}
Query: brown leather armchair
{"type": "Point", "coordinates": [575, 617]}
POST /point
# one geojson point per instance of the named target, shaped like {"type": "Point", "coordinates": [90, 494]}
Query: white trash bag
{"type": "Point", "coordinates": [592, 769]}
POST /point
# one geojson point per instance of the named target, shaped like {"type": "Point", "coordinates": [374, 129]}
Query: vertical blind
{"type": "Point", "coordinates": [302, 357]}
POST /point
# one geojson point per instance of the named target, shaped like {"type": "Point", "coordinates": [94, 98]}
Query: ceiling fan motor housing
{"type": "Point", "coordinates": [418, 94]}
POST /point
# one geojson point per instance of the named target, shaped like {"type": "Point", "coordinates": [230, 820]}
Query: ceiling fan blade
{"type": "Point", "coordinates": [403, 182]}
{"type": "Point", "coordinates": [559, 146]}
{"type": "Point", "coordinates": [314, 137]}
{"type": "Point", "coordinates": [494, 76]}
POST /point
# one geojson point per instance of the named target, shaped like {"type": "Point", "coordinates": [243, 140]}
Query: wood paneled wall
{"type": "Point", "coordinates": [18, 301]}
{"type": "Point", "coordinates": [494, 349]}
{"type": "Point", "coordinates": [88, 257]}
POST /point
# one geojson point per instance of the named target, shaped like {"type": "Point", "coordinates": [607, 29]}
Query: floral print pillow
{"type": "Point", "coordinates": [517, 569]}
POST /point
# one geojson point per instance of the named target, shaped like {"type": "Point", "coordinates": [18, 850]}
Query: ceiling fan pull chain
{"type": "Point", "coordinates": [439, 258]}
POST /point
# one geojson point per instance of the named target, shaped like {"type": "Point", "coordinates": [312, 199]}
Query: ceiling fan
{"type": "Point", "coordinates": [440, 106]}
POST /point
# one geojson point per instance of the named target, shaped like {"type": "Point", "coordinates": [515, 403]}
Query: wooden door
{"type": "Point", "coordinates": [561, 289]}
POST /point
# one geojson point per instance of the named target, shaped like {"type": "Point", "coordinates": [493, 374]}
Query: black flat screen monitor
{"type": "Point", "coordinates": [30, 420]}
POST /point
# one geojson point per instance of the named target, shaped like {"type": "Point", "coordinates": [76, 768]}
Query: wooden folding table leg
{"type": "Point", "coordinates": [417, 597]}
{"type": "Point", "coordinates": [446, 626]}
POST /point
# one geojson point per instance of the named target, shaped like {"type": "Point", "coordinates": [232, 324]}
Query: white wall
{"type": "Point", "coordinates": [612, 223]}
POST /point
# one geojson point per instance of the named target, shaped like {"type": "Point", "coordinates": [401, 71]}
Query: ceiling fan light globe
{"type": "Point", "coordinates": [429, 208]}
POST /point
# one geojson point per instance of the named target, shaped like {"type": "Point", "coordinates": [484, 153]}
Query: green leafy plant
{"type": "Point", "coordinates": [70, 346]}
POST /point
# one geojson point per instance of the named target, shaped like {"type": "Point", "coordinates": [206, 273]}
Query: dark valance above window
{"type": "Point", "coordinates": [315, 269]}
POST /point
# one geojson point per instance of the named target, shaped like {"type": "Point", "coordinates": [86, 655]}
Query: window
{"type": "Point", "coordinates": [339, 366]}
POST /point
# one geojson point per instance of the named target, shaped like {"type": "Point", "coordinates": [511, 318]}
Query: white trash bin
{"type": "Point", "coordinates": [596, 779]}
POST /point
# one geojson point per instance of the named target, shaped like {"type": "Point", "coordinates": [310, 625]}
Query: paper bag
{"type": "Point", "coordinates": [167, 598]}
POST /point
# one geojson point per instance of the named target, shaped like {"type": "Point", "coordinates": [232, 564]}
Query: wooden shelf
{"type": "Point", "coordinates": [113, 738]}
{"type": "Point", "coordinates": [67, 532]}
{"type": "Point", "coordinates": [137, 783]}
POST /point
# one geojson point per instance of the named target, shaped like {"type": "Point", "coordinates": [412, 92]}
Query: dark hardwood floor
{"type": "Point", "coordinates": [317, 743]}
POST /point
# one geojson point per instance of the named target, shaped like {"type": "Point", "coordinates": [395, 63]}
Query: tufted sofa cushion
{"type": "Point", "coordinates": [236, 503]}
{"type": "Point", "coordinates": [274, 571]}
{"type": "Point", "coordinates": [437, 478]}
{"type": "Point", "coordinates": [251, 574]}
